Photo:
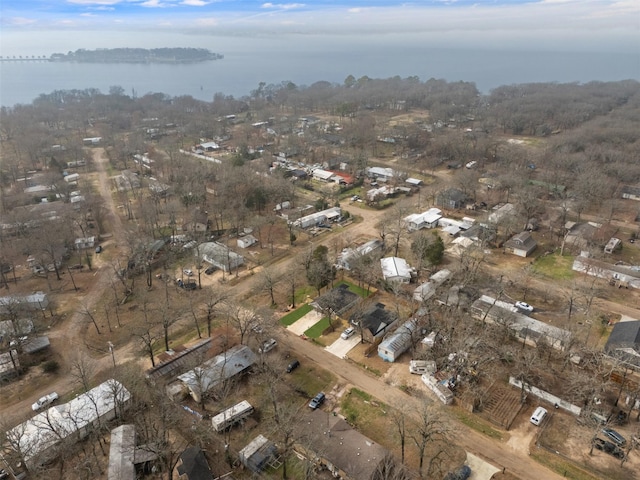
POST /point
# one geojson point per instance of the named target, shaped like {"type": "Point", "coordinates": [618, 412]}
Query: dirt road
{"type": "Point", "coordinates": [498, 453]}
{"type": "Point", "coordinates": [67, 338]}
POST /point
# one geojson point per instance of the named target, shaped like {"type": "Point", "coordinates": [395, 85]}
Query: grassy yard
{"type": "Point", "coordinates": [291, 318]}
{"type": "Point", "coordinates": [318, 328]}
{"type": "Point", "coordinates": [310, 379]}
{"type": "Point", "coordinates": [355, 289]}
{"type": "Point", "coordinates": [561, 466]}
{"type": "Point", "coordinates": [554, 266]}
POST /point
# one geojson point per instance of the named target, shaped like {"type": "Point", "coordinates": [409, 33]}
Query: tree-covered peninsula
{"type": "Point", "coordinates": [138, 55]}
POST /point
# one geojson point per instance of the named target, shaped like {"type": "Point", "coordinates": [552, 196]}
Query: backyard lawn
{"type": "Point", "coordinates": [293, 317]}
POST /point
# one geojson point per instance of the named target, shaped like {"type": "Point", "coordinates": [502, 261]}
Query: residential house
{"type": "Point", "coordinates": [336, 301]}
{"type": "Point", "coordinates": [179, 361]}
{"type": "Point", "coordinates": [380, 174]}
{"type": "Point", "coordinates": [501, 213]}
{"type": "Point", "coordinates": [222, 367]}
{"type": "Point", "coordinates": [414, 182]}
{"type": "Point", "coordinates": [581, 236]}
{"type": "Point", "coordinates": [451, 198]}
{"type": "Point", "coordinates": [9, 364]}
{"type": "Point", "coordinates": [521, 244]}
{"type": "Point", "coordinates": [194, 465]}
{"type": "Point", "coordinates": [427, 219]}
{"type": "Point", "coordinates": [219, 256]}
{"type": "Point", "coordinates": [529, 330]}
{"type": "Point", "coordinates": [125, 459]}
{"type": "Point", "coordinates": [199, 222]}
{"type": "Point", "coordinates": [258, 454]}
{"type": "Point", "coordinates": [92, 140]}
{"type": "Point", "coordinates": [33, 302]}
{"type": "Point", "coordinates": [350, 255]}
{"type": "Point", "coordinates": [631, 192]}
{"type": "Point", "coordinates": [127, 181]}
{"type": "Point", "coordinates": [380, 193]}
{"type": "Point", "coordinates": [479, 234]}
{"type": "Point", "coordinates": [624, 343]}
{"type": "Point", "coordinates": [317, 218]}
{"type": "Point", "coordinates": [38, 439]}
{"type": "Point", "coordinates": [619, 274]}
{"type": "Point", "coordinates": [425, 291]}
{"type": "Point", "coordinates": [328, 440]}
{"type": "Point", "coordinates": [323, 175]}
{"type": "Point", "coordinates": [374, 322]}
{"type": "Point", "coordinates": [84, 243]}
{"type": "Point", "coordinates": [395, 269]}
{"type": "Point", "coordinates": [399, 341]}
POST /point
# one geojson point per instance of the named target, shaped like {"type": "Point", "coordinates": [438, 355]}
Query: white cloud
{"type": "Point", "coordinates": [20, 21]}
{"type": "Point", "coordinates": [194, 3]}
{"type": "Point", "coordinates": [283, 6]}
{"type": "Point", "coordinates": [88, 15]}
{"type": "Point", "coordinates": [207, 22]}
{"type": "Point", "coordinates": [154, 4]}
{"type": "Point", "coordinates": [96, 2]}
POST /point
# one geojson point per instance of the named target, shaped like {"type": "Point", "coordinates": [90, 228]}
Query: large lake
{"type": "Point", "coordinates": [273, 61]}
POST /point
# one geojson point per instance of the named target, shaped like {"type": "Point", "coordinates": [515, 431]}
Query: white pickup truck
{"type": "Point", "coordinates": [44, 401]}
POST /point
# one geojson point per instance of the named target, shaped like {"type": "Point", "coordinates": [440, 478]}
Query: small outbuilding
{"type": "Point", "coordinates": [247, 241]}
{"type": "Point", "coordinates": [257, 455]}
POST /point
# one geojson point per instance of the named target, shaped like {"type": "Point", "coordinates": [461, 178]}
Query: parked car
{"type": "Point", "coordinates": [3, 474]}
{"type": "Point", "coordinates": [463, 473]}
{"type": "Point", "coordinates": [524, 306]}
{"type": "Point", "coordinates": [188, 272]}
{"type": "Point", "coordinates": [268, 346]}
{"type": "Point", "coordinates": [614, 436]}
{"type": "Point", "coordinates": [99, 249]}
{"type": "Point", "coordinates": [292, 366]}
{"type": "Point", "coordinates": [348, 333]}
{"type": "Point", "coordinates": [608, 447]}
{"type": "Point", "coordinates": [317, 401]}
{"type": "Point", "coordinates": [44, 401]}
{"type": "Point", "coordinates": [210, 270]}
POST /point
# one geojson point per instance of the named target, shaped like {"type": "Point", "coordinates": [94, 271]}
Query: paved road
{"type": "Point", "coordinates": [495, 452]}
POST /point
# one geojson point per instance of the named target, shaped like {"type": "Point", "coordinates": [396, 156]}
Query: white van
{"type": "Point", "coordinates": [538, 416]}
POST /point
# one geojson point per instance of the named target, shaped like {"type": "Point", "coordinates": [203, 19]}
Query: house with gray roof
{"type": "Point", "coordinates": [521, 244]}
{"type": "Point", "coordinates": [399, 341]}
{"type": "Point", "coordinates": [624, 343]}
{"type": "Point", "coordinates": [216, 370]}
{"type": "Point", "coordinates": [330, 441]}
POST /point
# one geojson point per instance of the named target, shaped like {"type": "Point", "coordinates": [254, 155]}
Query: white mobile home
{"type": "Point", "coordinates": [38, 439]}
{"type": "Point", "coordinates": [398, 342]}
{"type": "Point", "coordinates": [231, 416]}
{"type": "Point", "coordinates": [428, 219]}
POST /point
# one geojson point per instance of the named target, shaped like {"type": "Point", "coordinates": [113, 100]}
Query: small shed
{"type": "Point", "coordinates": [258, 453]}
{"type": "Point", "coordinates": [247, 241]}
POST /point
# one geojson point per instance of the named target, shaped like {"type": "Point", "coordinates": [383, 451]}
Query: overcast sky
{"type": "Point", "coordinates": [563, 25]}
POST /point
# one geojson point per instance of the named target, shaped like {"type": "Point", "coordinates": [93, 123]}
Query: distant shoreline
{"type": "Point", "coordinates": [137, 55]}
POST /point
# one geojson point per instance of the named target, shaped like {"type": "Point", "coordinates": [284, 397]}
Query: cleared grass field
{"type": "Point", "coordinates": [554, 266]}
{"type": "Point", "coordinates": [291, 318]}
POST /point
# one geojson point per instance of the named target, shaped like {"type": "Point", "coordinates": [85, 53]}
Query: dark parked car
{"type": "Point", "coordinates": [292, 366]}
{"type": "Point", "coordinates": [99, 249]}
{"type": "Point", "coordinates": [463, 473]}
{"type": "Point", "coordinates": [614, 436]}
{"type": "Point", "coordinates": [608, 447]}
{"type": "Point", "coordinates": [317, 401]}
{"type": "Point", "coordinates": [210, 270]}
